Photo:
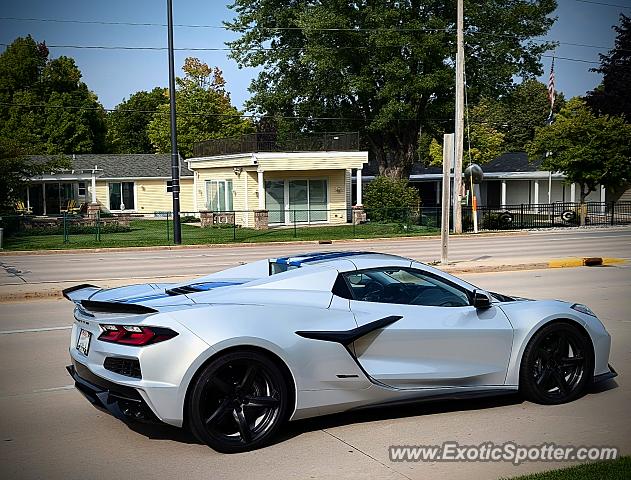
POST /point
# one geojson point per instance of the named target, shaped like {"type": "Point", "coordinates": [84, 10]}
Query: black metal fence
{"type": "Point", "coordinates": [547, 215]}
{"type": "Point", "coordinates": [28, 232]}
{"type": "Point", "coordinates": [277, 142]}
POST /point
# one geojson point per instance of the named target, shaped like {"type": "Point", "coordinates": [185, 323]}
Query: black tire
{"type": "Point", "coordinates": [238, 402]}
{"type": "Point", "coordinates": [557, 366]}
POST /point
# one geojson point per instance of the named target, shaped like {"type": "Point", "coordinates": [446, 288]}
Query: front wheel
{"type": "Point", "coordinates": [557, 365]}
{"type": "Point", "coordinates": [238, 402]}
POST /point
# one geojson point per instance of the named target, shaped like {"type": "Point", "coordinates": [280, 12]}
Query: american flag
{"type": "Point", "coordinates": [551, 87]}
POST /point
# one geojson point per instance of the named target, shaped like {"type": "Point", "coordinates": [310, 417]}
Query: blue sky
{"type": "Point", "coordinates": [115, 74]}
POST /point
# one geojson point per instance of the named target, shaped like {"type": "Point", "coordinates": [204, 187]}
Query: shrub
{"type": "Point", "coordinates": [391, 200]}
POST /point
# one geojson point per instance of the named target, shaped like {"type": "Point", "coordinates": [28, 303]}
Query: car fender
{"type": "Point", "coordinates": [528, 317]}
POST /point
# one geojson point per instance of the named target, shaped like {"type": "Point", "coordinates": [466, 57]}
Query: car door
{"type": "Point", "coordinates": [440, 339]}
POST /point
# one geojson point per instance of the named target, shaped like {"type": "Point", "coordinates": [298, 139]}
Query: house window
{"type": "Point", "coordinates": [81, 189]}
{"type": "Point", "coordinates": [121, 196]}
{"type": "Point", "coordinates": [300, 201]}
{"type": "Point", "coordinates": [169, 186]}
{"type": "Point", "coordinates": [219, 195]}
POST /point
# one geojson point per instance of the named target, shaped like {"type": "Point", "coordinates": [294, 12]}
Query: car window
{"type": "Point", "coordinates": [404, 286]}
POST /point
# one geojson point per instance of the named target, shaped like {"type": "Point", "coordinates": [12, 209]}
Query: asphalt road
{"type": "Point", "coordinates": [48, 430]}
{"type": "Point", "coordinates": [79, 266]}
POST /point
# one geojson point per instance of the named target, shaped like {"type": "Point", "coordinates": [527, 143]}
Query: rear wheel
{"type": "Point", "coordinates": [557, 365]}
{"type": "Point", "coordinates": [238, 402]}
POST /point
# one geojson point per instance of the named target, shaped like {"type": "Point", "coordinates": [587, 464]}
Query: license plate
{"type": "Point", "coordinates": [83, 342]}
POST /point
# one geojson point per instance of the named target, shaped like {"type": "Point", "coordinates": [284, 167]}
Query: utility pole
{"type": "Point", "coordinates": [459, 127]}
{"type": "Point", "coordinates": [448, 153]}
{"type": "Point", "coordinates": [175, 156]}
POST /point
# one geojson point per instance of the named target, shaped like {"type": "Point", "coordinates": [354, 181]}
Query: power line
{"type": "Point", "coordinates": [340, 29]}
{"type": "Point", "coordinates": [542, 40]}
{"type": "Point", "coordinates": [205, 114]}
{"type": "Point", "coordinates": [196, 49]}
{"type": "Point", "coordinates": [556, 57]}
{"type": "Point", "coordinates": [604, 4]}
{"type": "Point", "coordinates": [224, 27]}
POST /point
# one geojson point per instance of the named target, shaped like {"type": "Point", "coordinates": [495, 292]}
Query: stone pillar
{"type": "Point", "coordinates": [93, 209]}
{"type": "Point", "coordinates": [207, 218]}
{"type": "Point", "coordinates": [359, 214]}
{"type": "Point", "coordinates": [261, 219]}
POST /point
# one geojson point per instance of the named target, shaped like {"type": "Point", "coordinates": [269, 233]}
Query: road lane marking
{"type": "Point", "coordinates": [38, 391]}
{"type": "Point", "coordinates": [32, 330]}
{"type": "Point", "coordinates": [54, 389]}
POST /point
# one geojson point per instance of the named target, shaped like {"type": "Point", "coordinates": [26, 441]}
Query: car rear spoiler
{"type": "Point", "coordinates": [115, 307]}
{"type": "Point", "coordinates": [79, 292]}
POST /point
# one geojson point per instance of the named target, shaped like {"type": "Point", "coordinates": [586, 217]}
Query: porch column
{"type": "Point", "coordinates": [537, 195]}
{"type": "Point", "coordinates": [44, 196]}
{"type": "Point", "coordinates": [603, 196]}
{"type": "Point", "coordinates": [359, 202]}
{"type": "Point", "coordinates": [28, 197]}
{"type": "Point", "coordinates": [437, 192]}
{"type": "Point", "coordinates": [573, 192]}
{"type": "Point", "coordinates": [503, 193]}
{"type": "Point", "coordinates": [261, 182]}
{"type": "Point", "coordinates": [93, 187]}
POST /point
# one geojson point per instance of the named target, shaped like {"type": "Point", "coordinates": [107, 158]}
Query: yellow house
{"type": "Point", "coordinates": [284, 182]}
{"type": "Point", "coordinates": [132, 183]}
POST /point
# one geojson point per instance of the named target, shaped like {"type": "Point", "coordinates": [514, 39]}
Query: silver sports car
{"type": "Point", "coordinates": [235, 354]}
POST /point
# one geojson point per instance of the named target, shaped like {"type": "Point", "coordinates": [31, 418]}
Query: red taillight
{"type": "Point", "coordinates": [135, 335]}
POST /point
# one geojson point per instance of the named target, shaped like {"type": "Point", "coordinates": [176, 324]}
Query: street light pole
{"type": "Point", "coordinates": [175, 157]}
{"type": "Point", "coordinates": [459, 127]}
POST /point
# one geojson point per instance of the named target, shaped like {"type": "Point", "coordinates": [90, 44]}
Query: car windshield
{"type": "Point", "coordinates": [280, 267]}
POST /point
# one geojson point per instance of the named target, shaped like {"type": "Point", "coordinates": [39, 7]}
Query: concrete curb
{"type": "Point", "coordinates": [585, 262]}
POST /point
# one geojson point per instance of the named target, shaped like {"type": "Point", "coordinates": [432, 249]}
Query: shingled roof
{"type": "Point", "coordinates": [133, 165]}
{"type": "Point", "coordinates": [508, 162]}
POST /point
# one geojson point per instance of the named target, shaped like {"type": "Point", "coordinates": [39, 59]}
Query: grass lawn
{"type": "Point", "coordinates": [619, 469]}
{"type": "Point", "coordinates": [158, 232]}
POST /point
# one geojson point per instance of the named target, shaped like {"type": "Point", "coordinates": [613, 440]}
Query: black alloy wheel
{"type": "Point", "coordinates": [238, 402]}
{"type": "Point", "coordinates": [557, 365]}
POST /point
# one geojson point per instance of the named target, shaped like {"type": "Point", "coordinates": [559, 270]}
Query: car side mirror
{"type": "Point", "coordinates": [481, 299]}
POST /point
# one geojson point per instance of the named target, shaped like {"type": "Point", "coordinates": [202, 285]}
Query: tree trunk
{"type": "Point", "coordinates": [397, 164]}
{"type": "Point", "coordinates": [582, 208]}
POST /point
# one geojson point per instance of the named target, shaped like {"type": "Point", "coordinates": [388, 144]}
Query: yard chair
{"type": "Point", "coordinates": [22, 209]}
{"type": "Point", "coordinates": [71, 207]}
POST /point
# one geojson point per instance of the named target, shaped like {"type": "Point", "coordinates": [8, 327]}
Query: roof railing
{"type": "Point", "coordinates": [278, 142]}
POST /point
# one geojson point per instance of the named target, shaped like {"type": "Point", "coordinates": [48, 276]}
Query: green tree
{"type": "Point", "coordinates": [46, 108]}
{"type": "Point", "coordinates": [483, 141]}
{"type": "Point", "coordinates": [384, 68]}
{"type": "Point", "coordinates": [590, 150]}
{"type": "Point", "coordinates": [17, 168]}
{"type": "Point", "coordinates": [203, 110]}
{"type": "Point", "coordinates": [524, 109]}
{"type": "Point", "coordinates": [613, 95]}
{"type": "Point", "coordinates": [127, 124]}
{"type": "Point", "coordinates": [390, 199]}
{"type": "Point", "coordinates": [21, 66]}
